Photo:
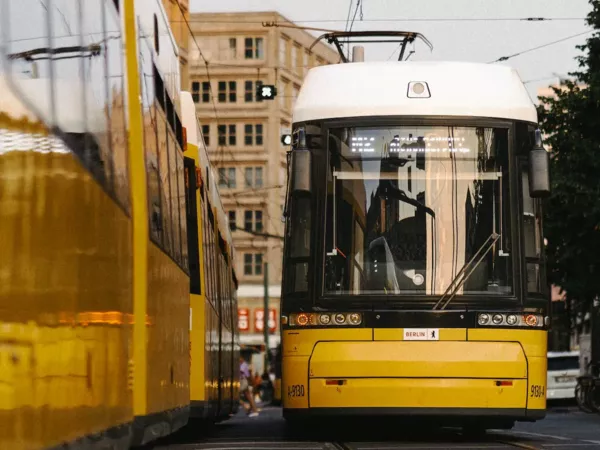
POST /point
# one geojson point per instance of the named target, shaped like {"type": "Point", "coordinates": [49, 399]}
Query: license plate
{"type": "Point", "coordinates": [565, 379]}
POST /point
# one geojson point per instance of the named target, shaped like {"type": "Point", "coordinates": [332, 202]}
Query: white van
{"type": "Point", "coordinates": [563, 370]}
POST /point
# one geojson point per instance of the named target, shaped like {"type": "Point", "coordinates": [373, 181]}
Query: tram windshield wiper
{"type": "Point", "coordinates": [464, 273]}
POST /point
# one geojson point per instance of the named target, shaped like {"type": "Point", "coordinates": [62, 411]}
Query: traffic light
{"type": "Point", "coordinates": [286, 139]}
{"type": "Point", "coordinates": [265, 92]}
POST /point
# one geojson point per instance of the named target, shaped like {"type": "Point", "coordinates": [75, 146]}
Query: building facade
{"type": "Point", "coordinates": [243, 137]}
{"type": "Point", "coordinates": [178, 12]}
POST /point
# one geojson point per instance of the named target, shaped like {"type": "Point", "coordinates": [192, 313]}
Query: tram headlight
{"type": "Point", "coordinates": [302, 319]}
{"type": "Point", "coordinates": [531, 320]}
{"type": "Point", "coordinates": [354, 318]}
{"type": "Point", "coordinates": [305, 319]}
{"type": "Point", "coordinates": [497, 319]}
{"type": "Point", "coordinates": [511, 320]}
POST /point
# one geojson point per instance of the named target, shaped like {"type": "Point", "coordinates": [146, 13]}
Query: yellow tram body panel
{"type": "Point", "coordinates": [168, 349]}
{"type": "Point", "coordinates": [64, 339]}
{"type": "Point", "coordinates": [375, 370]}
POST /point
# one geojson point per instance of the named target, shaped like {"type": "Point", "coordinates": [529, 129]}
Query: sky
{"type": "Point", "coordinates": [453, 39]}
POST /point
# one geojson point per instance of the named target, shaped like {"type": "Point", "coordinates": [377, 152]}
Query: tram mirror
{"type": "Point", "coordinates": [539, 169]}
{"type": "Point", "coordinates": [301, 170]}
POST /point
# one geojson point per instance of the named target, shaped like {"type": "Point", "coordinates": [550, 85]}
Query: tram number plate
{"type": "Point", "coordinates": [537, 390]}
{"type": "Point", "coordinates": [296, 390]}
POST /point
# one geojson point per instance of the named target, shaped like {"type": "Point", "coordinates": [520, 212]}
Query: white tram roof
{"type": "Point", "coordinates": [381, 89]}
{"type": "Point", "coordinates": [189, 120]}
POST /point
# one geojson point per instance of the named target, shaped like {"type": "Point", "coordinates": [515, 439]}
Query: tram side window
{"type": "Point", "coordinates": [27, 32]}
{"type": "Point", "coordinates": [207, 286]}
{"type": "Point", "coordinates": [225, 271]}
{"type": "Point", "coordinates": [149, 119]}
{"type": "Point", "coordinates": [206, 250]}
{"type": "Point", "coordinates": [174, 196]}
{"type": "Point", "coordinates": [210, 262]}
{"type": "Point", "coordinates": [163, 166]}
{"type": "Point", "coordinates": [154, 205]}
{"type": "Point", "coordinates": [297, 272]}
{"type": "Point", "coordinates": [96, 151]}
{"type": "Point", "coordinates": [117, 103]}
{"type": "Point", "coordinates": [532, 231]}
{"type": "Point", "coordinates": [77, 99]}
{"type": "Point", "coordinates": [225, 297]}
{"type": "Point", "coordinates": [182, 212]}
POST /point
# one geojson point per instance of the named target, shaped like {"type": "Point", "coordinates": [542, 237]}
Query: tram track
{"type": "Point", "coordinates": [269, 431]}
{"type": "Point", "coordinates": [520, 445]}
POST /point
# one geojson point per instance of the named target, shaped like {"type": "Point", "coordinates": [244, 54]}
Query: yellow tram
{"type": "Point", "coordinates": [414, 280]}
{"type": "Point", "coordinates": [115, 247]}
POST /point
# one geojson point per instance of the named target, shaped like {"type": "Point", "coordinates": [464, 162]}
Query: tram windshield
{"type": "Point", "coordinates": [409, 207]}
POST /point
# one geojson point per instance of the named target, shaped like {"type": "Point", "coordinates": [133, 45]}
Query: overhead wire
{"type": "Point", "coordinates": [566, 38]}
{"type": "Point", "coordinates": [414, 19]}
{"type": "Point", "coordinates": [217, 120]}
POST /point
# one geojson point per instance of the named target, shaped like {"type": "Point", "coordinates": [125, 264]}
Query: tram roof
{"type": "Point", "coordinates": [379, 89]}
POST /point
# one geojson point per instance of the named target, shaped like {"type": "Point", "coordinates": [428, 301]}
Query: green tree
{"type": "Point", "coordinates": [571, 122]}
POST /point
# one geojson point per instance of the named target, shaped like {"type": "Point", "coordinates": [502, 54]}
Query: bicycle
{"type": "Point", "coordinates": [587, 390]}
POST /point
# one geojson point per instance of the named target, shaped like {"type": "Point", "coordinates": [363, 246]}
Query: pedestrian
{"type": "Point", "coordinates": [245, 392]}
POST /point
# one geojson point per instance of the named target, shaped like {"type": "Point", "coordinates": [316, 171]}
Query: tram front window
{"type": "Point", "coordinates": [408, 207]}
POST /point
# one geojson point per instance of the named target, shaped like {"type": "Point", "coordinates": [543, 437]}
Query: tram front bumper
{"type": "Point", "coordinates": [449, 378]}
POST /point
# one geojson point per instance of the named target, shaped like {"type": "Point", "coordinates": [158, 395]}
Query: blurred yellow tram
{"type": "Point", "coordinates": [99, 220]}
{"type": "Point", "coordinates": [414, 280]}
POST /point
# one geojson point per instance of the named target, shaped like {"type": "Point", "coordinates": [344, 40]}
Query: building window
{"type": "Point", "coordinates": [306, 62]}
{"type": "Point", "coordinates": [205, 92]}
{"type": "Point", "coordinates": [253, 221]}
{"type": "Point", "coordinates": [253, 48]}
{"type": "Point", "coordinates": [296, 50]}
{"type": "Point", "coordinates": [250, 89]}
{"type": "Point", "coordinates": [253, 263]}
{"type": "Point", "coordinates": [231, 129]}
{"type": "Point", "coordinates": [253, 177]}
{"type": "Point", "coordinates": [196, 91]}
{"type": "Point", "coordinates": [232, 221]}
{"type": "Point", "coordinates": [227, 91]}
{"type": "Point", "coordinates": [258, 133]}
{"type": "Point", "coordinates": [227, 134]}
{"type": "Point", "coordinates": [227, 177]}
{"type": "Point", "coordinates": [206, 134]}
{"type": "Point", "coordinates": [258, 221]}
{"type": "Point", "coordinates": [282, 94]}
{"type": "Point", "coordinates": [283, 52]}
{"type": "Point", "coordinates": [253, 134]}
{"type": "Point", "coordinates": [248, 134]}
{"type": "Point", "coordinates": [233, 48]}
{"type": "Point", "coordinates": [201, 91]}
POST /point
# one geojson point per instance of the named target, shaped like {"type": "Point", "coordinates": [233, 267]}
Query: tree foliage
{"type": "Point", "coordinates": [571, 123]}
